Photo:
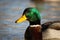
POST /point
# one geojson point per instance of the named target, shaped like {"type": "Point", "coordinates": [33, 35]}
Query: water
{"type": "Point", "coordinates": [10, 11]}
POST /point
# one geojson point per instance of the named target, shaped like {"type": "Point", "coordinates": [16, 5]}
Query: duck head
{"type": "Point", "coordinates": [30, 14]}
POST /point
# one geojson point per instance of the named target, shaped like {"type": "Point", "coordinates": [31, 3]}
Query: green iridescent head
{"type": "Point", "coordinates": [31, 14]}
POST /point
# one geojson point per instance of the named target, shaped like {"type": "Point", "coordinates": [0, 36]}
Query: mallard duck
{"type": "Point", "coordinates": [33, 32]}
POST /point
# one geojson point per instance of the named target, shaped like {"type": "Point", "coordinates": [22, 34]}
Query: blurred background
{"type": "Point", "coordinates": [11, 10]}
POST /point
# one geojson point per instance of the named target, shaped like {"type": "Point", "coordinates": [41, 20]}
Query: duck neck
{"type": "Point", "coordinates": [35, 22]}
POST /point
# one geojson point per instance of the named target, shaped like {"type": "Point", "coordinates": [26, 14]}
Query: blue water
{"type": "Point", "coordinates": [11, 10]}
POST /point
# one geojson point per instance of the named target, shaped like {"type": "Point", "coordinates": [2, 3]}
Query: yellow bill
{"type": "Point", "coordinates": [22, 19]}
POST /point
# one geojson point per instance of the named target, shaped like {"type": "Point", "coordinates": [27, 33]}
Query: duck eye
{"type": "Point", "coordinates": [27, 15]}
{"type": "Point", "coordinates": [28, 11]}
